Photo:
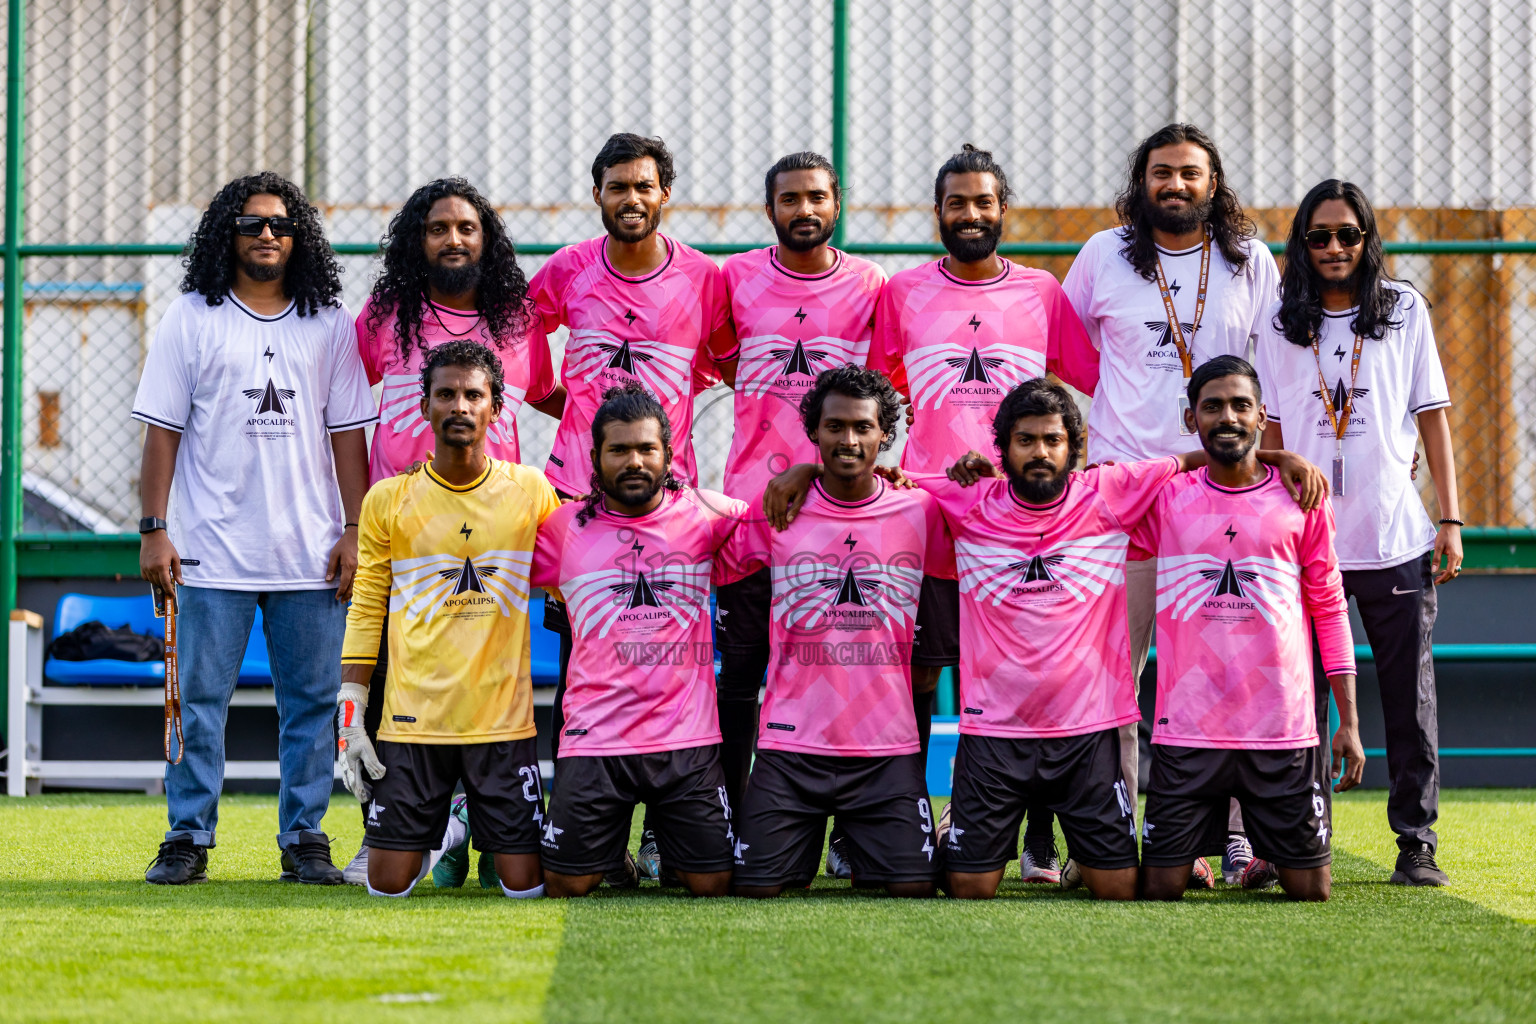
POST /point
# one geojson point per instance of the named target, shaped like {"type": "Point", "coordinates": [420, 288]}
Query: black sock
{"type": "Point", "coordinates": [741, 677]}
{"type": "Point", "coordinates": [1040, 825]}
{"type": "Point", "coordinates": [922, 707]}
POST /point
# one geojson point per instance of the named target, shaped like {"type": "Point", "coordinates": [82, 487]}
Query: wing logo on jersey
{"type": "Point", "coordinates": [1165, 333]}
{"type": "Point", "coordinates": [1081, 568]}
{"type": "Point", "coordinates": [400, 408]}
{"type": "Point", "coordinates": [768, 358]}
{"type": "Point", "coordinates": [270, 398]}
{"type": "Point", "coordinates": [1342, 394]}
{"type": "Point", "coordinates": [599, 601]}
{"type": "Point", "coordinates": [932, 376]}
{"type": "Point", "coordinates": [467, 578]}
{"type": "Point", "coordinates": [805, 596]}
{"type": "Point", "coordinates": [665, 369]}
{"type": "Point", "coordinates": [1190, 584]}
{"type": "Point", "coordinates": [429, 584]}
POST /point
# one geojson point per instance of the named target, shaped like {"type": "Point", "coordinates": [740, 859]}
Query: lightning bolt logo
{"type": "Point", "coordinates": [1339, 352]}
{"type": "Point", "coordinates": [800, 314]}
{"type": "Point", "coordinates": [973, 323]}
{"type": "Point", "coordinates": [1231, 534]}
{"type": "Point", "coordinates": [637, 548]}
{"type": "Point", "coordinates": [268, 353]}
{"type": "Point", "coordinates": [850, 542]}
{"type": "Point", "coordinates": [466, 531]}
{"type": "Point", "coordinates": [1174, 288]}
{"type": "Point", "coordinates": [630, 316]}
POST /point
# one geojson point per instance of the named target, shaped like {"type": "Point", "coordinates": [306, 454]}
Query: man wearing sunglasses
{"type": "Point", "coordinates": [1353, 380]}
{"type": "Point", "coordinates": [1180, 281]}
{"type": "Point", "coordinates": [254, 403]}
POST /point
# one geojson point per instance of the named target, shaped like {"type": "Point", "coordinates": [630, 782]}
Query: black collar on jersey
{"type": "Point", "coordinates": [1179, 252]}
{"type": "Point", "coordinates": [460, 489]}
{"type": "Point", "coordinates": [837, 264]}
{"type": "Point", "coordinates": [248, 311]}
{"type": "Point", "coordinates": [1351, 311]}
{"type": "Point", "coordinates": [1023, 506]}
{"type": "Point", "coordinates": [1269, 474]}
{"type": "Point", "coordinates": [671, 251]}
{"type": "Point", "coordinates": [879, 491]}
{"type": "Point", "coordinates": [667, 497]}
{"type": "Point", "coordinates": [989, 282]}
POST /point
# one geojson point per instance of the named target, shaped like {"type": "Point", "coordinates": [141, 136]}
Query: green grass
{"type": "Point", "coordinates": [83, 938]}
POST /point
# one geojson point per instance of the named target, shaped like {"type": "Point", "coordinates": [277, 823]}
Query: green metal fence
{"type": "Point", "coordinates": [877, 85]}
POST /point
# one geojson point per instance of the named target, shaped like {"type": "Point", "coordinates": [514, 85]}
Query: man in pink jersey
{"type": "Point", "coordinates": [634, 563]}
{"type": "Point", "coordinates": [838, 735]}
{"type": "Point", "coordinates": [639, 306]}
{"type": "Point", "coordinates": [1241, 573]}
{"type": "Point", "coordinates": [450, 274]}
{"type": "Point", "coordinates": [954, 335]}
{"type": "Point", "coordinates": [799, 307]}
{"type": "Point", "coordinates": [1046, 682]}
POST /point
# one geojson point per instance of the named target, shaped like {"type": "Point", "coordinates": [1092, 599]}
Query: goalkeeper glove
{"type": "Point", "coordinates": [354, 751]}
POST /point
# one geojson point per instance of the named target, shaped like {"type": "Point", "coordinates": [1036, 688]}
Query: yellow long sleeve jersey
{"type": "Point", "coordinates": [451, 566]}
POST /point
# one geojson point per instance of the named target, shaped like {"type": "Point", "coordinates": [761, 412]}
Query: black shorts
{"type": "Point", "coordinates": [1286, 809]}
{"type": "Point", "coordinates": [881, 803]}
{"type": "Point", "coordinates": [1078, 777]}
{"type": "Point", "coordinates": [409, 809]}
{"type": "Point", "coordinates": [587, 828]}
{"type": "Point", "coordinates": [937, 639]}
{"type": "Point", "coordinates": [741, 615]}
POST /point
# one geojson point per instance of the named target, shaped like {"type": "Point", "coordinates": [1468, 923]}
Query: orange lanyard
{"type": "Point", "coordinates": [1186, 352]}
{"type": "Point", "coordinates": [1339, 418]}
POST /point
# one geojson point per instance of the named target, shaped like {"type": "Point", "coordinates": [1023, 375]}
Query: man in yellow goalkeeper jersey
{"type": "Point", "coordinates": [446, 553]}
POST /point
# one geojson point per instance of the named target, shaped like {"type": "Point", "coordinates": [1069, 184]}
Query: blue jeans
{"type": "Point", "coordinates": [304, 630]}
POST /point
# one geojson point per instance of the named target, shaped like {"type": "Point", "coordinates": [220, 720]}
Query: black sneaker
{"type": "Point", "coordinates": [1418, 867]}
{"type": "Point", "coordinates": [179, 862]}
{"type": "Point", "coordinates": [625, 876]}
{"type": "Point", "coordinates": [309, 861]}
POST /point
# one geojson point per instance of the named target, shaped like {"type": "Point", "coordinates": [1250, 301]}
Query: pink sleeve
{"type": "Point", "coordinates": [545, 570]}
{"type": "Point", "coordinates": [546, 293]}
{"type": "Point", "coordinates": [1145, 534]}
{"type": "Point", "coordinates": [952, 500]}
{"type": "Point", "coordinates": [1322, 592]}
{"type": "Point", "coordinates": [368, 345]}
{"type": "Point", "coordinates": [730, 560]}
{"type": "Point", "coordinates": [885, 343]}
{"type": "Point", "coordinates": [745, 549]}
{"type": "Point", "coordinates": [1130, 488]}
{"type": "Point", "coordinates": [1069, 354]}
{"type": "Point", "coordinates": [939, 548]}
{"type": "Point", "coordinates": [541, 368]}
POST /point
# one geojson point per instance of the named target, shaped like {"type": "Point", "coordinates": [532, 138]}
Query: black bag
{"type": "Point", "coordinates": [91, 640]}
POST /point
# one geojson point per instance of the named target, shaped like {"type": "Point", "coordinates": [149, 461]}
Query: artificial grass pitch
{"type": "Point", "coordinates": [83, 938]}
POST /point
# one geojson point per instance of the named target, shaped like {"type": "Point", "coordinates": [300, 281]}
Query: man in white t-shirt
{"type": "Point", "coordinates": [1181, 281]}
{"type": "Point", "coordinates": [254, 401]}
{"type": "Point", "coordinates": [1352, 381]}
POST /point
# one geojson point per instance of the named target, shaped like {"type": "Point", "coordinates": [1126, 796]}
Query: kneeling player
{"type": "Point", "coordinates": [445, 552]}
{"type": "Point", "coordinates": [1240, 574]}
{"type": "Point", "coordinates": [633, 562]}
{"type": "Point", "coordinates": [838, 736]}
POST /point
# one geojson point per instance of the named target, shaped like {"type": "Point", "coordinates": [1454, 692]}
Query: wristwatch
{"type": "Point", "coordinates": [149, 524]}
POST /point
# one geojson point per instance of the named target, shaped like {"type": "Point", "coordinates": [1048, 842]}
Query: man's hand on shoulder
{"type": "Point", "coordinates": [786, 493]}
{"type": "Point", "coordinates": [416, 467]}
{"type": "Point", "coordinates": [972, 467]}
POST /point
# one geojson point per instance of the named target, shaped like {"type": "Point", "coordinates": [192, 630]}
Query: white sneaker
{"type": "Point", "coordinates": [1235, 860]}
{"type": "Point", "coordinates": [1040, 864]}
{"type": "Point", "coordinates": [356, 872]}
{"type": "Point", "coordinates": [1071, 875]}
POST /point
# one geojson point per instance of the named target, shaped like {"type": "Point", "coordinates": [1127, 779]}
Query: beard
{"type": "Point", "coordinates": [627, 234]}
{"type": "Point", "coordinates": [794, 244]}
{"type": "Point", "coordinates": [633, 499]}
{"type": "Point", "coordinates": [453, 280]}
{"type": "Point", "coordinates": [458, 440]}
{"type": "Point", "coordinates": [264, 271]}
{"type": "Point", "coordinates": [1180, 222]}
{"type": "Point", "coordinates": [1229, 449]}
{"type": "Point", "coordinates": [1037, 492]}
{"type": "Point", "coordinates": [971, 250]}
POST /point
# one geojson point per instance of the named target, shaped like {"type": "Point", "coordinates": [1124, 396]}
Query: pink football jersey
{"type": "Point", "coordinates": [789, 328]}
{"type": "Point", "coordinates": [403, 436]}
{"type": "Point", "coordinates": [846, 579]}
{"type": "Point", "coordinates": [650, 329]}
{"type": "Point", "coordinates": [1240, 573]}
{"type": "Point", "coordinates": [1042, 600]}
{"type": "Point", "coordinates": [955, 348]}
{"type": "Point", "coordinates": [642, 673]}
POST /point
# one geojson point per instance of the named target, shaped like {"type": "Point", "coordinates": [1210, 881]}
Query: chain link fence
{"type": "Point", "coordinates": [138, 110]}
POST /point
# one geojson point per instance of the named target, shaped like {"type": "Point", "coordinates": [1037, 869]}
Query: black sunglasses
{"type": "Point", "coordinates": [1349, 236]}
{"type": "Point", "coordinates": [282, 227]}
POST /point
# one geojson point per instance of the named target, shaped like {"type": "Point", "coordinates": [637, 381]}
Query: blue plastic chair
{"type": "Point", "coordinates": [138, 613]}
{"type": "Point", "coordinates": [543, 645]}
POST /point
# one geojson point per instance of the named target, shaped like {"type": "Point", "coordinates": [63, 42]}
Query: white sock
{"type": "Point", "coordinates": [522, 894]}
{"type": "Point", "coordinates": [426, 869]}
{"type": "Point", "coordinates": [455, 834]}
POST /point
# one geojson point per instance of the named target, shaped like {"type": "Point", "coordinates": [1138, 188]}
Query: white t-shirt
{"type": "Point", "coordinates": [1135, 412]}
{"type": "Point", "coordinates": [254, 503]}
{"type": "Point", "coordinates": [1381, 521]}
